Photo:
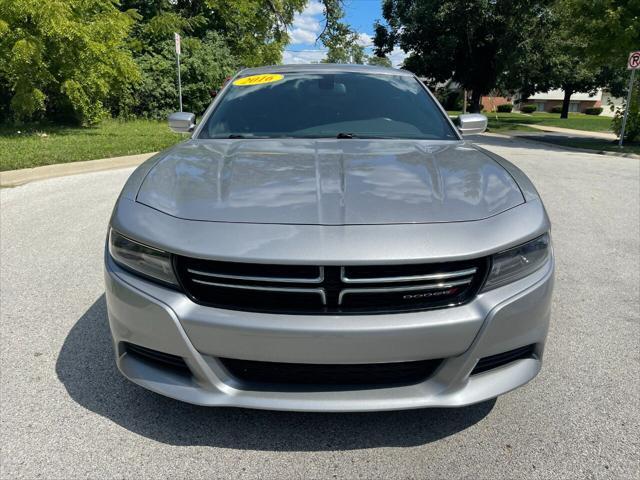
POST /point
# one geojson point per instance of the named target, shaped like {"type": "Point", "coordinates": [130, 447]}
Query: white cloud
{"type": "Point", "coordinates": [365, 40]}
{"type": "Point", "coordinates": [299, 36]}
{"type": "Point", "coordinates": [303, 56]}
{"type": "Point", "coordinates": [306, 25]}
{"type": "Point", "coordinates": [314, 8]}
{"type": "Point", "coordinates": [397, 56]}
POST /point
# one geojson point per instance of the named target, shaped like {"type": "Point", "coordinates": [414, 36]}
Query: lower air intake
{"type": "Point", "coordinates": [160, 359]}
{"type": "Point", "coordinates": [495, 361]}
{"type": "Point", "coordinates": [322, 377]}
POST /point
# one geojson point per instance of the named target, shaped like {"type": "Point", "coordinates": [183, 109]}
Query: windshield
{"type": "Point", "coordinates": [327, 105]}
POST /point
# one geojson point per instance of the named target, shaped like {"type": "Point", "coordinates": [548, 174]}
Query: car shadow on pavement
{"type": "Point", "coordinates": [87, 369]}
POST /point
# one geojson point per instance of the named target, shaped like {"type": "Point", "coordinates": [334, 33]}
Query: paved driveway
{"type": "Point", "coordinates": [66, 412]}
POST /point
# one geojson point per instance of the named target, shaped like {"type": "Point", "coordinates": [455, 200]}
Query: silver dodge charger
{"type": "Point", "coordinates": [325, 240]}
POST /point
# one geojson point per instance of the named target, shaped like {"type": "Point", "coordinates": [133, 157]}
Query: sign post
{"type": "Point", "coordinates": [632, 64]}
{"type": "Point", "coordinates": [177, 39]}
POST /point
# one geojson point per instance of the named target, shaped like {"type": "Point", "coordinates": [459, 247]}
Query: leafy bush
{"type": "Point", "coordinates": [556, 109]}
{"type": "Point", "coordinates": [449, 99]}
{"type": "Point", "coordinates": [632, 129]}
{"type": "Point", "coordinates": [204, 66]}
{"type": "Point", "coordinates": [505, 108]}
{"type": "Point", "coordinates": [63, 59]}
{"type": "Point", "coordinates": [528, 108]}
{"type": "Point", "coordinates": [593, 110]}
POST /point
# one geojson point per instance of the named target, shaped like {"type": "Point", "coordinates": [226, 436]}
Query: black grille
{"type": "Point", "coordinates": [494, 361]}
{"type": "Point", "coordinates": [154, 356]}
{"type": "Point", "coordinates": [330, 289]}
{"type": "Point", "coordinates": [322, 377]}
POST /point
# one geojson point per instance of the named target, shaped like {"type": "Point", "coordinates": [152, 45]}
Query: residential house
{"type": "Point", "coordinates": [546, 101]}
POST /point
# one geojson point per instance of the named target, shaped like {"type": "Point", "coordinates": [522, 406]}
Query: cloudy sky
{"type": "Point", "coordinates": [360, 14]}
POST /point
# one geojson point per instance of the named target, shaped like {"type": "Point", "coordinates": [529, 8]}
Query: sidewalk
{"type": "Point", "coordinates": [572, 132]}
{"type": "Point", "coordinates": [567, 142]}
{"type": "Point", "coordinates": [14, 178]}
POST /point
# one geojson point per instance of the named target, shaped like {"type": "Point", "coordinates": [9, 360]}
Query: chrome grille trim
{"type": "Point", "coordinates": [412, 278]}
{"type": "Point", "coordinates": [413, 288]}
{"type": "Point", "coordinates": [318, 279]}
{"type": "Point", "coordinates": [319, 291]}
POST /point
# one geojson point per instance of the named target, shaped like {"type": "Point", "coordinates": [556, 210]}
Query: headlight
{"type": "Point", "coordinates": [518, 262]}
{"type": "Point", "coordinates": [141, 259]}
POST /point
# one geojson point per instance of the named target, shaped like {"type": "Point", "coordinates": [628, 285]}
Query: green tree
{"type": "Point", "coordinates": [63, 58]}
{"type": "Point", "coordinates": [469, 41]}
{"type": "Point", "coordinates": [341, 41]}
{"type": "Point", "coordinates": [343, 47]}
{"type": "Point", "coordinates": [610, 30]}
{"type": "Point", "coordinates": [205, 65]}
{"type": "Point", "coordinates": [218, 37]}
{"type": "Point", "coordinates": [557, 56]}
{"type": "Point", "coordinates": [611, 26]}
{"type": "Point", "coordinates": [254, 30]}
{"type": "Point", "coordinates": [380, 61]}
{"type": "Point", "coordinates": [632, 128]}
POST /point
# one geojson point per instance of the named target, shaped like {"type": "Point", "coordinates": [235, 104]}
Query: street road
{"type": "Point", "coordinates": [67, 413]}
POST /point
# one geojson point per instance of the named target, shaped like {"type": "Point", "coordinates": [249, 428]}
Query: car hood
{"type": "Point", "coordinates": [328, 182]}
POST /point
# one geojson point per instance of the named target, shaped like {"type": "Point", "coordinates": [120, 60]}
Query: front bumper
{"type": "Point", "coordinates": [150, 315]}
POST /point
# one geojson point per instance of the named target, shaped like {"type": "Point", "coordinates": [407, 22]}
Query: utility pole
{"type": "Point", "coordinates": [633, 63]}
{"type": "Point", "coordinates": [177, 39]}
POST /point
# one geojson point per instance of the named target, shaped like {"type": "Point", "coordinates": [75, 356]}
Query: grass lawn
{"type": "Point", "coordinates": [576, 121]}
{"type": "Point", "coordinates": [37, 145]}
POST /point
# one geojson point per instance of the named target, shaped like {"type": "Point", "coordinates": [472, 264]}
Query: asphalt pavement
{"type": "Point", "coordinates": [67, 413]}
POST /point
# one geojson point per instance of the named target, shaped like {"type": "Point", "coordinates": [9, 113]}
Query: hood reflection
{"type": "Point", "coordinates": [330, 182]}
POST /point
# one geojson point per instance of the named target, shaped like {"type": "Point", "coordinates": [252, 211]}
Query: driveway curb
{"type": "Point", "coordinates": [15, 178]}
{"type": "Point", "coordinates": [527, 138]}
{"type": "Point", "coordinates": [572, 131]}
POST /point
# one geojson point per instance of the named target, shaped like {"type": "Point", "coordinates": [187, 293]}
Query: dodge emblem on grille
{"type": "Point", "coordinates": [438, 293]}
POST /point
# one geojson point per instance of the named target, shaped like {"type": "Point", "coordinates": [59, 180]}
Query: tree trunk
{"type": "Point", "coordinates": [565, 102]}
{"type": "Point", "coordinates": [474, 107]}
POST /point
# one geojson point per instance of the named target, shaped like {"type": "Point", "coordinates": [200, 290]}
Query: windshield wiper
{"type": "Point", "coordinates": [362, 136]}
{"type": "Point", "coordinates": [241, 136]}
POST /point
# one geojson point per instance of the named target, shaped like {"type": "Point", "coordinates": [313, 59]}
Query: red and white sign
{"type": "Point", "coordinates": [634, 61]}
{"type": "Point", "coordinates": [177, 38]}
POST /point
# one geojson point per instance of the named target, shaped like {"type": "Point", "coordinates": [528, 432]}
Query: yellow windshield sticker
{"type": "Point", "coordinates": [258, 79]}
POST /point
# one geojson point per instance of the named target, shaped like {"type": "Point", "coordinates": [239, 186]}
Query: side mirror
{"type": "Point", "coordinates": [182, 122]}
{"type": "Point", "coordinates": [472, 123]}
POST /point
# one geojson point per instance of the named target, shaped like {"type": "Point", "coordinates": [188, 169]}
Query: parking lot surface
{"type": "Point", "coordinates": [67, 413]}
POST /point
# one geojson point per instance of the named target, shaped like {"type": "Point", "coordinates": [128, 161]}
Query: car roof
{"type": "Point", "coordinates": [324, 67]}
